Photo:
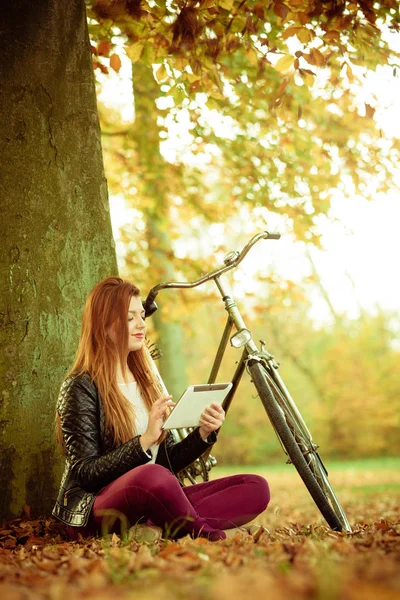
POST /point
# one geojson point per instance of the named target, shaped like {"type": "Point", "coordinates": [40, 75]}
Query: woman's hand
{"type": "Point", "coordinates": [211, 419]}
{"type": "Point", "coordinates": [157, 416]}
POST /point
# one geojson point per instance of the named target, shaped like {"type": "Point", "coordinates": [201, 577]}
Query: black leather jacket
{"type": "Point", "coordinates": [92, 462]}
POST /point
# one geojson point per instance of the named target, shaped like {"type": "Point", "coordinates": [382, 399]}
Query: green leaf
{"type": "Point", "coordinates": [238, 24]}
{"type": "Point", "coordinates": [178, 95]}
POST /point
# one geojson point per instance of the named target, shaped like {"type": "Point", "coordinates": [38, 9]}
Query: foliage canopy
{"type": "Point", "coordinates": [284, 78]}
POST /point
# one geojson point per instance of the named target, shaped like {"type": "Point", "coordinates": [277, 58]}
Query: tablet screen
{"type": "Point", "coordinates": [193, 401]}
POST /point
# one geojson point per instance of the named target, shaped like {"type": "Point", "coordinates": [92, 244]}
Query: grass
{"type": "Point", "coordinates": [363, 464]}
{"type": "Point", "coordinates": [359, 484]}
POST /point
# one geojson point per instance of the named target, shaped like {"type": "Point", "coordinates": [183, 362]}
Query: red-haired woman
{"type": "Point", "coordinates": [119, 462]}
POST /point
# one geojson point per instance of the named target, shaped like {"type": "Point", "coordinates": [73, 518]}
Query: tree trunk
{"type": "Point", "coordinates": [55, 228]}
{"type": "Point", "coordinates": [154, 171]}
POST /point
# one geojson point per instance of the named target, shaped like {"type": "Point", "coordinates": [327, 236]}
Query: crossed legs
{"type": "Point", "coordinates": [152, 493]}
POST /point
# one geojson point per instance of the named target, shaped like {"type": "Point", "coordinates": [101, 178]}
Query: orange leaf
{"type": "Point", "coordinates": [332, 36]}
{"type": "Point", "coordinates": [98, 65]}
{"type": "Point", "coordinates": [315, 57]}
{"type": "Point", "coordinates": [383, 525]}
{"type": "Point", "coordinates": [349, 73]}
{"type": "Point", "coordinates": [281, 10]}
{"type": "Point", "coordinates": [194, 86]}
{"type": "Point", "coordinates": [282, 87]}
{"type": "Point", "coordinates": [170, 549]}
{"type": "Point", "coordinates": [103, 48]}
{"type": "Point", "coordinates": [318, 57]}
{"type": "Point", "coordinates": [258, 9]}
{"type": "Point", "coordinates": [369, 111]}
{"type": "Point", "coordinates": [115, 62]}
{"type": "Point", "coordinates": [290, 32]}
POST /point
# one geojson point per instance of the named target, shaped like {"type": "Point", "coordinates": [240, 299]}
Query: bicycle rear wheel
{"type": "Point", "coordinates": [306, 460]}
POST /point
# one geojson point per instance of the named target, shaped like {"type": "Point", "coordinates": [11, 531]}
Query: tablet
{"type": "Point", "coordinates": [194, 400]}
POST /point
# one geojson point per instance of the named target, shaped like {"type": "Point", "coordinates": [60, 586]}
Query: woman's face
{"type": "Point", "coordinates": [136, 324]}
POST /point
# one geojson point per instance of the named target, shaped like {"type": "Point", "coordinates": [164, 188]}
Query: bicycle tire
{"type": "Point", "coordinates": [277, 418]}
{"type": "Point", "coordinates": [307, 447]}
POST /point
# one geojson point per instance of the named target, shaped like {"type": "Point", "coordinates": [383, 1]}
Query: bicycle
{"type": "Point", "coordinates": [285, 417]}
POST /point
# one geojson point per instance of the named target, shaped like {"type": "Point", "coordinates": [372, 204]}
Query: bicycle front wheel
{"type": "Point", "coordinates": [321, 496]}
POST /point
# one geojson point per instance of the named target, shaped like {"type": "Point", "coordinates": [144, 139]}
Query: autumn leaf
{"type": "Point", "coordinates": [171, 548]}
{"type": "Point", "coordinates": [115, 540]}
{"type": "Point", "coordinates": [178, 94]}
{"type": "Point", "coordinates": [284, 63]}
{"type": "Point", "coordinates": [134, 51]}
{"type": "Point", "coordinates": [313, 57]}
{"type": "Point", "coordinates": [282, 87]}
{"type": "Point", "coordinates": [290, 32]}
{"type": "Point", "coordinates": [115, 62]}
{"type": "Point", "coordinates": [308, 76]}
{"type": "Point", "coordinates": [161, 73]}
{"type": "Point", "coordinates": [103, 48]}
{"type": "Point", "coordinates": [226, 4]}
{"type": "Point", "coordinates": [369, 111]}
{"type": "Point", "coordinates": [303, 34]}
{"type": "Point", "coordinates": [194, 86]}
{"type": "Point", "coordinates": [181, 63]}
{"type": "Point", "coordinates": [252, 56]}
{"type": "Point", "coordinates": [281, 10]}
{"type": "Point", "coordinates": [100, 66]}
{"type": "Point", "coordinates": [349, 73]}
{"type": "Point", "coordinates": [331, 36]}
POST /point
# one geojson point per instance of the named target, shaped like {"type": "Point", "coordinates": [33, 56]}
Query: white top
{"type": "Point", "coordinates": [131, 391]}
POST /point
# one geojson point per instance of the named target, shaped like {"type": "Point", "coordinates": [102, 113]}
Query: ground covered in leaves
{"type": "Point", "coordinates": [299, 557]}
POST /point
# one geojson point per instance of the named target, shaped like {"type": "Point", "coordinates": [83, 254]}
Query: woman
{"type": "Point", "coordinates": [120, 466]}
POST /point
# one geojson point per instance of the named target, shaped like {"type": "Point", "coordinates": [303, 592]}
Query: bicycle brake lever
{"type": "Point", "coordinates": [149, 308]}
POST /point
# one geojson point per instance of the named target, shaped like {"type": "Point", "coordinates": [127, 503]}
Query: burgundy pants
{"type": "Point", "coordinates": [151, 493]}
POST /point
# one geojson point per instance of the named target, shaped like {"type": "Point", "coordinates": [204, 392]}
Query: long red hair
{"type": "Point", "coordinates": [98, 355]}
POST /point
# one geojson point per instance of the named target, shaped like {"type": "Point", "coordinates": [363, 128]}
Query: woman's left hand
{"type": "Point", "coordinates": [211, 419]}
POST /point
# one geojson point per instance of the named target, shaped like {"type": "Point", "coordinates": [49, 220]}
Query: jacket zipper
{"type": "Point", "coordinates": [69, 492]}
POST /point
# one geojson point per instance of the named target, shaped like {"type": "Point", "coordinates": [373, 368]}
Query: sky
{"type": "Point", "coordinates": [360, 242]}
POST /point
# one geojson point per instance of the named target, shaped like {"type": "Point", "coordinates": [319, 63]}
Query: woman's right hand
{"type": "Point", "coordinates": [157, 416]}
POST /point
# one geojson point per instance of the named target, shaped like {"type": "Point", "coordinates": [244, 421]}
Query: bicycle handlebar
{"type": "Point", "coordinates": [232, 259]}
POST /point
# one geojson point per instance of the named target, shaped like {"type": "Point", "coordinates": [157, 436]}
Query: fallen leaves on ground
{"type": "Point", "coordinates": [300, 558]}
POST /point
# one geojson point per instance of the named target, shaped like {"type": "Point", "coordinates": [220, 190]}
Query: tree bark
{"type": "Point", "coordinates": [55, 231]}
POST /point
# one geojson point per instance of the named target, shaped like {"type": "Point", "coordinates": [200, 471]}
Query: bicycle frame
{"type": "Point", "coordinates": [243, 339]}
